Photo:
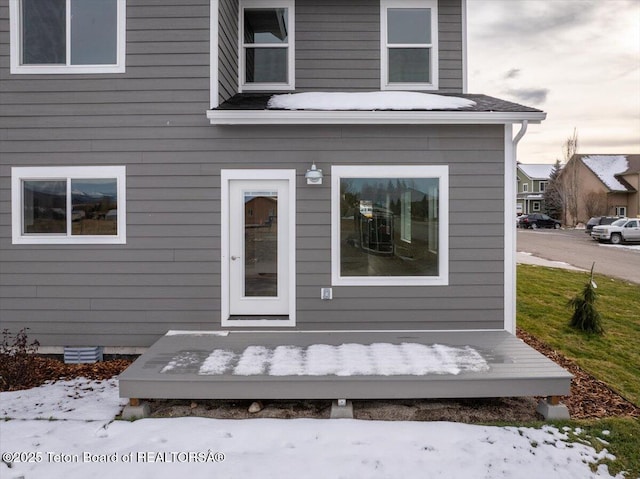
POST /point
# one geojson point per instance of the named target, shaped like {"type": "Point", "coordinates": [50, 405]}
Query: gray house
{"type": "Point", "coordinates": [141, 140]}
{"type": "Point", "coordinates": [532, 182]}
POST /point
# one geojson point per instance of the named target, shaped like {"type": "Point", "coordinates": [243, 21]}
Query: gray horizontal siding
{"type": "Point", "coordinates": [152, 119]}
{"type": "Point", "coordinates": [228, 49]}
{"type": "Point", "coordinates": [337, 45]}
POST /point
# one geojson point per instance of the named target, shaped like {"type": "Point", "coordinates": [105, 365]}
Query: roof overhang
{"type": "Point", "coordinates": [321, 117]}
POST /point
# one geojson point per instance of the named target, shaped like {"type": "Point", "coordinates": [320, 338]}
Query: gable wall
{"type": "Point", "coordinates": [152, 119]}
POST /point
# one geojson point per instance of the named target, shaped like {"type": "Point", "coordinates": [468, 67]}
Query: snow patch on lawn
{"type": "Point", "coordinates": [80, 398]}
{"type": "Point", "coordinates": [379, 100]}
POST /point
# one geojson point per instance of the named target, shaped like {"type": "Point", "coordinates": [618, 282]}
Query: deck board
{"type": "Point", "coordinates": [514, 368]}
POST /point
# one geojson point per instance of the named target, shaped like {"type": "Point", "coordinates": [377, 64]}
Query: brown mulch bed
{"type": "Point", "coordinates": [43, 369]}
{"type": "Point", "coordinates": [590, 398]}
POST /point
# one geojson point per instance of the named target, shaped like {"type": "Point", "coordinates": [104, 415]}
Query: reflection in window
{"type": "Point", "coordinates": [409, 45]}
{"type": "Point", "coordinates": [266, 38]}
{"type": "Point", "coordinates": [389, 226]}
{"type": "Point", "coordinates": [261, 243]}
{"type": "Point", "coordinates": [94, 207]}
{"type": "Point", "coordinates": [265, 49]}
{"type": "Point", "coordinates": [44, 206]}
{"type": "Point", "coordinates": [90, 26]}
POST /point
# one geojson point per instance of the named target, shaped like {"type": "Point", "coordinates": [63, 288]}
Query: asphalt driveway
{"type": "Point", "coordinates": [578, 249]}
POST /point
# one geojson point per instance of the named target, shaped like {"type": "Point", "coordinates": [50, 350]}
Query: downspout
{"type": "Point", "coordinates": [510, 197]}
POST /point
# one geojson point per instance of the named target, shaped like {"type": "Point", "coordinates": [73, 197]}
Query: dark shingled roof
{"type": "Point", "coordinates": [484, 103]}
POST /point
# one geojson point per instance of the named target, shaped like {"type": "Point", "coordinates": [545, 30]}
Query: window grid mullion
{"type": "Point", "coordinates": [69, 214]}
{"type": "Point", "coordinates": [265, 45]}
{"type": "Point", "coordinates": [409, 45]}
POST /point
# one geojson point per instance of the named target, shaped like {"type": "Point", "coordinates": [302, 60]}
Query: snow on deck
{"type": "Point", "coordinates": [606, 167]}
{"type": "Point", "coordinates": [379, 100]}
{"type": "Point", "coordinates": [378, 359]}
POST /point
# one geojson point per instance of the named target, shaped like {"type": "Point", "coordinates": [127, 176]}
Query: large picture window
{"type": "Point", "coordinates": [390, 225]}
{"type": "Point", "coordinates": [76, 205]}
{"type": "Point", "coordinates": [409, 43]}
{"type": "Point", "coordinates": [68, 36]}
{"type": "Point", "coordinates": [266, 36]}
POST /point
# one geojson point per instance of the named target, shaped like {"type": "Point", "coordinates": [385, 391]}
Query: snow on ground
{"type": "Point", "coordinates": [270, 448]}
{"type": "Point", "coordinates": [632, 247]}
{"type": "Point", "coordinates": [76, 399]}
{"type": "Point", "coordinates": [523, 257]}
{"type": "Point", "coordinates": [378, 100]}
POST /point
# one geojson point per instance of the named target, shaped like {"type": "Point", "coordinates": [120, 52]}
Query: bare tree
{"type": "Point", "coordinates": [595, 204]}
{"type": "Point", "coordinates": [570, 180]}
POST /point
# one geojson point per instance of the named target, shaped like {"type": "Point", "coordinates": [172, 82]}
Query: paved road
{"type": "Point", "coordinates": [578, 249]}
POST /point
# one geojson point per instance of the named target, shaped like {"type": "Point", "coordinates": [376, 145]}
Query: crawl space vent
{"type": "Point", "coordinates": [82, 355]}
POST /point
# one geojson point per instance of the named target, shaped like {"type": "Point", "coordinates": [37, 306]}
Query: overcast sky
{"type": "Point", "coordinates": [577, 60]}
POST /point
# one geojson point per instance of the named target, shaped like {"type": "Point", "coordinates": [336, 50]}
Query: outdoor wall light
{"type": "Point", "coordinates": [314, 175]}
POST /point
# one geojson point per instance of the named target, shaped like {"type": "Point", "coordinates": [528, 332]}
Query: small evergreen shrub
{"type": "Point", "coordinates": [17, 357]}
{"type": "Point", "coordinates": [585, 315]}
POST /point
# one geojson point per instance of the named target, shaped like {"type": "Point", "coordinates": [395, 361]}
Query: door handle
{"type": "Point", "coordinates": [233, 258]}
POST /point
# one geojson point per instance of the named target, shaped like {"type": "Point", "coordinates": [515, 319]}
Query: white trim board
{"type": "Point", "coordinates": [316, 117]}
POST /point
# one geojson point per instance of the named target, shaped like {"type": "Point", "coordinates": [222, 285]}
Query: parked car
{"type": "Point", "coordinates": [599, 220]}
{"type": "Point", "coordinates": [519, 221]}
{"type": "Point", "coordinates": [624, 229]}
{"type": "Point", "coordinates": [539, 220]}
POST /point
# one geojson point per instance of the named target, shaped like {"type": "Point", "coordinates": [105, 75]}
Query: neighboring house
{"type": "Point", "coordinates": [532, 182]}
{"type": "Point", "coordinates": [598, 185]}
{"type": "Point", "coordinates": [172, 111]}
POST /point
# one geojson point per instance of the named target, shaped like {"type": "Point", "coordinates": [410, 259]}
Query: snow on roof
{"type": "Point", "coordinates": [378, 100]}
{"type": "Point", "coordinates": [606, 167]}
{"type": "Point", "coordinates": [378, 359]}
{"type": "Point", "coordinates": [536, 171]}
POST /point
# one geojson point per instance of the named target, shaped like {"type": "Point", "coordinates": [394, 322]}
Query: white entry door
{"type": "Point", "coordinates": [259, 255]}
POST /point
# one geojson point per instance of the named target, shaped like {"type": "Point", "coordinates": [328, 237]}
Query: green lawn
{"type": "Point", "coordinates": [614, 358]}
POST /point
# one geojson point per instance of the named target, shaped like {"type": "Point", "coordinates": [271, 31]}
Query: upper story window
{"type": "Point", "coordinates": [267, 45]}
{"type": "Point", "coordinates": [409, 43]}
{"type": "Point", "coordinates": [525, 187]}
{"type": "Point", "coordinates": [542, 187]}
{"type": "Point", "coordinates": [68, 205]}
{"type": "Point", "coordinates": [68, 36]}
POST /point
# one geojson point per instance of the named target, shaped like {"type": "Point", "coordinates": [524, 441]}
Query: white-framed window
{"type": "Point", "coordinates": [267, 56]}
{"type": "Point", "coordinates": [68, 205]}
{"type": "Point", "coordinates": [67, 36]}
{"type": "Point", "coordinates": [409, 44]}
{"type": "Point", "coordinates": [542, 186]}
{"type": "Point", "coordinates": [525, 187]}
{"type": "Point", "coordinates": [621, 211]}
{"type": "Point", "coordinates": [390, 225]}
{"type": "Point", "coordinates": [536, 206]}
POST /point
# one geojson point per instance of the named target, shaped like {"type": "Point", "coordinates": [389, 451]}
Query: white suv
{"type": "Point", "coordinates": [624, 229]}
